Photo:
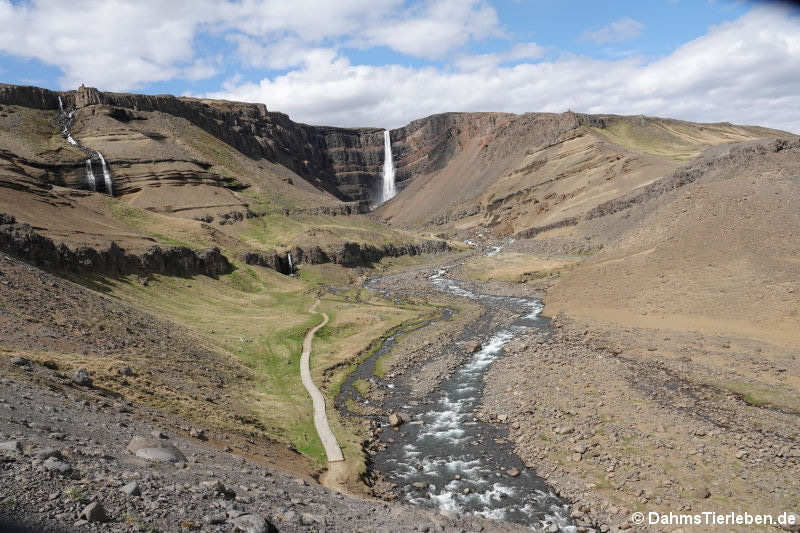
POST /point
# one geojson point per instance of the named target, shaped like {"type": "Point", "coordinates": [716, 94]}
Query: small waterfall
{"type": "Point", "coordinates": [90, 176]}
{"type": "Point", "coordinates": [291, 266]}
{"type": "Point", "coordinates": [388, 169]}
{"type": "Point", "coordinates": [106, 176]}
{"type": "Point", "coordinates": [60, 105]}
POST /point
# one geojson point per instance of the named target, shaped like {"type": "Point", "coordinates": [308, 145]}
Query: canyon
{"type": "Point", "coordinates": [159, 255]}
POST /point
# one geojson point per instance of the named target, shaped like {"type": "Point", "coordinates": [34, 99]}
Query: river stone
{"type": "Point", "coordinates": [155, 450]}
{"type": "Point", "coordinates": [395, 420]}
{"type": "Point", "coordinates": [513, 472]}
{"type": "Point", "coordinates": [94, 512]}
{"type": "Point", "coordinates": [82, 378]}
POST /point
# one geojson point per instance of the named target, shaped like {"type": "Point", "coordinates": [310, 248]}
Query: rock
{"type": "Point", "coordinates": [502, 418]}
{"type": "Point", "coordinates": [217, 488]}
{"type": "Point", "coordinates": [419, 485]}
{"type": "Point", "coordinates": [20, 361]}
{"type": "Point", "coordinates": [198, 433]}
{"type": "Point", "coordinates": [126, 371]}
{"type": "Point", "coordinates": [214, 519]}
{"type": "Point", "coordinates": [11, 446]}
{"type": "Point", "coordinates": [395, 420]}
{"type": "Point", "coordinates": [156, 434]}
{"type": "Point", "coordinates": [50, 365]}
{"type": "Point", "coordinates": [47, 453]}
{"type": "Point", "coordinates": [82, 378]}
{"type": "Point", "coordinates": [252, 523]}
{"type": "Point", "coordinates": [552, 528]}
{"type": "Point", "coordinates": [57, 465]}
{"type": "Point", "coordinates": [131, 489]}
{"type": "Point", "coordinates": [307, 519]}
{"type": "Point", "coordinates": [94, 512]}
{"type": "Point", "coordinates": [513, 472]}
{"type": "Point", "coordinates": [703, 493]}
{"type": "Point", "coordinates": [155, 450]}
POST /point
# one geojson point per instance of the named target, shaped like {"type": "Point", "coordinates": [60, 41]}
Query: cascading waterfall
{"type": "Point", "coordinates": [389, 190]}
{"type": "Point", "coordinates": [291, 266]}
{"type": "Point", "coordinates": [106, 176]}
{"type": "Point", "coordinates": [90, 176]}
{"type": "Point", "coordinates": [64, 121]}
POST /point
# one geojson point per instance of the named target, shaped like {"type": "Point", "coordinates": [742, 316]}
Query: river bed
{"type": "Point", "coordinates": [447, 459]}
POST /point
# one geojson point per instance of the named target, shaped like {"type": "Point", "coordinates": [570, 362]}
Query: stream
{"type": "Point", "coordinates": [447, 459]}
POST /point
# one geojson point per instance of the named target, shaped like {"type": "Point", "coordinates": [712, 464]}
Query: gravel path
{"type": "Point", "coordinates": [332, 449]}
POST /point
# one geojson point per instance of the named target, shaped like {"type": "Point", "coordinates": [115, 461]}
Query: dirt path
{"type": "Point", "coordinates": [332, 449]}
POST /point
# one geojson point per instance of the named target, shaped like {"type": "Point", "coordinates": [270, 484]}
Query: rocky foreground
{"type": "Point", "coordinates": [618, 432]}
{"type": "Point", "coordinates": [77, 460]}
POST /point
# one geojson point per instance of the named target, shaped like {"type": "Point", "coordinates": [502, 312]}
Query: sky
{"type": "Point", "coordinates": [383, 63]}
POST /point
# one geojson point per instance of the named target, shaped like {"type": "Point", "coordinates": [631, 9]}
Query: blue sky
{"type": "Point", "coordinates": [385, 62]}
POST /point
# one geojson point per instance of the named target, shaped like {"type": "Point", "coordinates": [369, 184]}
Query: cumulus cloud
{"type": "Point", "coordinates": [742, 71]}
{"type": "Point", "coordinates": [116, 44]}
{"type": "Point", "coordinates": [617, 31]}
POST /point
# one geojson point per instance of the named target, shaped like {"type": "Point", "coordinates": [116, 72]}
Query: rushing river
{"type": "Point", "coordinates": [448, 460]}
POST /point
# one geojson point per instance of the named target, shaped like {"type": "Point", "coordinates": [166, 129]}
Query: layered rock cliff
{"type": "Point", "coordinates": [23, 242]}
{"type": "Point", "coordinates": [346, 162]}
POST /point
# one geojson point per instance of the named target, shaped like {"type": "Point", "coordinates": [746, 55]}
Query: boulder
{"type": "Point", "coordinates": [82, 378]}
{"type": "Point", "coordinates": [55, 464]}
{"type": "Point", "coordinates": [11, 446]}
{"type": "Point", "coordinates": [252, 523]}
{"type": "Point", "coordinates": [94, 512]}
{"type": "Point", "coordinates": [155, 450]}
{"type": "Point", "coordinates": [131, 489]}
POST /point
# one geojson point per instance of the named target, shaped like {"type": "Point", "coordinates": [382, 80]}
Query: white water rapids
{"type": "Point", "coordinates": [389, 190]}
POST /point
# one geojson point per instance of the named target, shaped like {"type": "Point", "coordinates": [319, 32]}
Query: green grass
{"type": "Point", "coordinates": [362, 386]}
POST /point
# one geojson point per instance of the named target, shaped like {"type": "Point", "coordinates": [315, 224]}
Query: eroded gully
{"type": "Point", "coordinates": [445, 458]}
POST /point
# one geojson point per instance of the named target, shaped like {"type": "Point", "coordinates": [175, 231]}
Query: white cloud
{"type": "Point", "coordinates": [115, 44]}
{"type": "Point", "coordinates": [617, 31]}
{"type": "Point", "coordinates": [744, 71]}
{"type": "Point", "coordinates": [119, 44]}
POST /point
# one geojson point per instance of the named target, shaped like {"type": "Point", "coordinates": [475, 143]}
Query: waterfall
{"type": "Point", "coordinates": [388, 169]}
{"type": "Point", "coordinates": [291, 266]}
{"type": "Point", "coordinates": [90, 175]}
{"type": "Point", "coordinates": [60, 105]}
{"type": "Point", "coordinates": [106, 176]}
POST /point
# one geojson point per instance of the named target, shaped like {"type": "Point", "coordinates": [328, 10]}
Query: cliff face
{"type": "Point", "coordinates": [345, 162]}
{"type": "Point", "coordinates": [21, 241]}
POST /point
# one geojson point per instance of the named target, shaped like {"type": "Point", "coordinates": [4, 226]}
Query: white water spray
{"type": "Point", "coordinates": [90, 176]}
{"type": "Point", "coordinates": [389, 190]}
{"type": "Point", "coordinates": [106, 176]}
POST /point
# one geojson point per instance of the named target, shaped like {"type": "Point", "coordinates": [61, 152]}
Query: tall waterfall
{"type": "Point", "coordinates": [90, 175]}
{"type": "Point", "coordinates": [388, 169]}
{"type": "Point", "coordinates": [291, 266]}
{"type": "Point", "coordinates": [106, 176]}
